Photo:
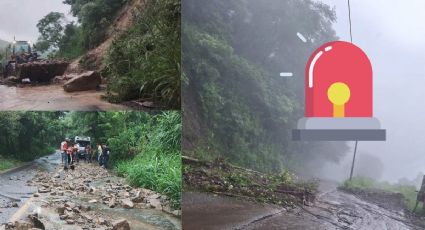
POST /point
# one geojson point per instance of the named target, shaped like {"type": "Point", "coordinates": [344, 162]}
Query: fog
{"type": "Point", "coordinates": [20, 17]}
{"type": "Point", "coordinates": [392, 34]}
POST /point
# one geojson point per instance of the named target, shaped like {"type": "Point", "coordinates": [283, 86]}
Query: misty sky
{"type": "Point", "coordinates": [20, 17]}
{"type": "Point", "coordinates": [392, 33]}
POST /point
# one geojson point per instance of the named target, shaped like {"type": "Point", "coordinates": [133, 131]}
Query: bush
{"type": "Point", "coordinates": [144, 62]}
{"type": "Point", "coordinates": [157, 162]}
{"type": "Point", "coordinates": [156, 171]}
{"type": "Point", "coordinates": [7, 163]}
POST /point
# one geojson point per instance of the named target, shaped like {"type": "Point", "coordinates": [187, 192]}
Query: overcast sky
{"type": "Point", "coordinates": [392, 33]}
{"type": "Point", "coordinates": [20, 17]}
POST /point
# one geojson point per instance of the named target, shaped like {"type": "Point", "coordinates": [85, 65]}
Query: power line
{"type": "Point", "coordinates": [349, 18]}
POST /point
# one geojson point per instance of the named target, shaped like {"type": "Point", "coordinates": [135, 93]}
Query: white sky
{"type": "Point", "coordinates": [392, 33]}
{"type": "Point", "coordinates": [20, 17]}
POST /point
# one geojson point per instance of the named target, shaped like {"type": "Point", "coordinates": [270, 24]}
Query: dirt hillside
{"type": "Point", "coordinates": [94, 57]}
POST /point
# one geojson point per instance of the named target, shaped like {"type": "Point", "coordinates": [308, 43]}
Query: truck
{"type": "Point", "coordinates": [23, 62]}
{"type": "Point", "coordinates": [82, 143]}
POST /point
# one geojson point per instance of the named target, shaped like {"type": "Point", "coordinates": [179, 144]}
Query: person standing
{"type": "Point", "coordinates": [75, 156]}
{"type": "Point", "coordinates": [88, 153]}
{"type": "Point", "coordinates": [105, 154]}
{"type": "Point", "coordinates": [99, 154]}
{"type": "Point", "coordinates": [64, 148]}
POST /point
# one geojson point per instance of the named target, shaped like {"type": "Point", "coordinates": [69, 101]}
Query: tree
{"type": "Point", "coordinates": [236, 105]}
{"type": "Point", "coordinates": [51, 29]}
{"type": "Point", "coordinates": [95, 17]}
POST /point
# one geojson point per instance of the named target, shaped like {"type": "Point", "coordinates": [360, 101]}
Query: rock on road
{"type": "Point", "coordinates": [88, 197]}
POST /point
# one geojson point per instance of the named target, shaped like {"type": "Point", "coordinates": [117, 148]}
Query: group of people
{"type": "Point", "coordinates": [70, 154]}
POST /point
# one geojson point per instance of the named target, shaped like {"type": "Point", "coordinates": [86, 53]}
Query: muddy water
{"type": "Point", "coordinates": [137, 218]}
{"type": "Point", "coordinates": [52, 98]}
{"type": "Point", "coordinates": [332, 210]}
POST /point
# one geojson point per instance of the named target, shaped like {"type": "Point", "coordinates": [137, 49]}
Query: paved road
{"type": "Point", "coordinates": [14, 188]}
{"type": "Point", "coordinates": [333, 209]}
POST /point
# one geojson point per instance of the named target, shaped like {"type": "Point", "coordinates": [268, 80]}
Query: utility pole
{"type": "Point", "coordinates": [354, 160]}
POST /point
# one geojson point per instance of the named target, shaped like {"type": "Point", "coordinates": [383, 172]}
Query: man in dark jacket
{"type": "Point", "coordinates": [105, 154]}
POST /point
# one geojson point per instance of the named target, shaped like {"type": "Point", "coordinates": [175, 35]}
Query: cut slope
{"type": "Point", "coordinates": [93, 59]}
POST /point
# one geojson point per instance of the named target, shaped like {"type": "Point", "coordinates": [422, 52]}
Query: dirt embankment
{"type": "Point", "coordinates": [93, 59]}
{"type": "Point", "coordinates": [226, 179]}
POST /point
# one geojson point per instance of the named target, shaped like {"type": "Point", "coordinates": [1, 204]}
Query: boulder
{"type": "Point", "coordinates": [44, 190]}
{"type": "Point", "coordinates": [86, 81]}
{"type": "Point", "coordinates": [101, 221]}
{"type": "Point", "coordinates": [154, 203]}
{"type": "Point", "coordinates": [60, 210]}
{"type": "Point", "coordinates": [127, 203]}
{"type": "Point", "coordinates": [112, 203]}
{"type": "Point", "coordinates": [22, 225]}
{"type": "Point", "coordinates": [121, 224]}
{"type": "Point", "coordinates": [70, 221]}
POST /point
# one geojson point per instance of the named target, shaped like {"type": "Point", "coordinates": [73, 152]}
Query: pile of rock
{"type": "Point", "coordinates": [94, 186]}
{"type": "Point", "coordinates": [20, 225]}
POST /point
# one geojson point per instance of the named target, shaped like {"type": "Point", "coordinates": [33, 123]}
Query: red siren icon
{"type": "Point", "coordinates": [339, 96]}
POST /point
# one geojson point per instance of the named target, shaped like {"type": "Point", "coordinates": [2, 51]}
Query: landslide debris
{"type": "Point", "coordinates": [223, 178]}
{"type": "Point", "coordinates": [75, 196]}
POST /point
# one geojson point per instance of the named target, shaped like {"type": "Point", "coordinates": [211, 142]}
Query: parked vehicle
{"type": "Point", "coordinates": [82, 142]}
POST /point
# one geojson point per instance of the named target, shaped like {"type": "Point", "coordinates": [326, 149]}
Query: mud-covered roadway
{"type": "Point", "coordinates": [52, 98]}
{"type": "Point", "coordinates": [88, 197]}
{"type": "Point", "coordinates": [333, 209]}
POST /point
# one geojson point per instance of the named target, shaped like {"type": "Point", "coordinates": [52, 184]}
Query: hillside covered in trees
{"type": "Point", "coordinates": [145, 148]}
{"type": "Point", "coordinates": [135, 44]}
{"type": "Point", "coordinates": [236, 105]}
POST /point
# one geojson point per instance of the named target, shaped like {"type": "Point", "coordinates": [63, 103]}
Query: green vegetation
{"type": "Point", "coordinates": [236, 105]}
{"type": "Point", "coordinates": [3, 45]}
{"type": "Point", "coordinates": [145, 60]}
{"type": "Point", "coordinates": [95, 18]}
{"type": "Point", "coordinates": [50, 28]}
{"type": "Point", "coordinates": [68, 40]}
{"type": "Point", "coordinates": [145, 148]}
{"type": "Point", "coordinates": [158, 164]}
{"type": "Point", "coordinates": [364, 184]}
{"type": "Point", "coordinates": [27, 135]}
{"type": "Point", "coordinates": [6, 163]}
{"type": "Point", "coordinates": [225, 179]}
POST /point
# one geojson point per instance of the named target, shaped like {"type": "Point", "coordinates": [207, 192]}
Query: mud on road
{"type": "Point", "coordinates": [333, 209]}
{"type": "Point", "coordinates": [88, 197]}
{"type": "Point", "coordinates": [52, 98]}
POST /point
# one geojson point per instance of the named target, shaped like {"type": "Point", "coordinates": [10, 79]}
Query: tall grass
{"type": "Point", "coordinates": [157, 164]}
{"type": "Point", "coordinates": [7, 163]}
{"type": "Point", "coordinates": [144, 62]}
{"type": "Point", "coordinates": [156, 171]}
